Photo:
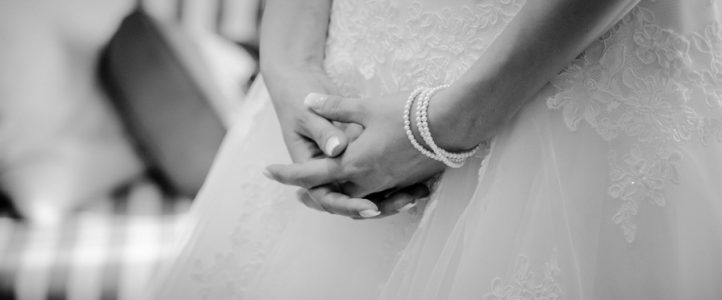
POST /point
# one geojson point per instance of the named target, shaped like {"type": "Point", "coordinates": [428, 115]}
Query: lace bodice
{"type": "Point", "coordinates": [380, 47]}
{"type": "Point", "coordinates": [650, 84]}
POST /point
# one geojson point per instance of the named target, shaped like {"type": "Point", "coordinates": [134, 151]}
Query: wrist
{"type": "Point", "coordinates": [421, 98]}
{"type": "Point", "coordinates": [283, 68]}
{"type": "Point", "coordinates": [284, 74]}
{"type": "Point", "coordinates": [453, 126]}
{"type": "Point", "coordinates": [289, 86]}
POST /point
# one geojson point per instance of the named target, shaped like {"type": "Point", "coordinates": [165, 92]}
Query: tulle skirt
{"type": "Point", "coordinates": [544, 215]}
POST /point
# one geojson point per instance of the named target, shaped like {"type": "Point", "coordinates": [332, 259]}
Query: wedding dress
{"type": "Point", "coordinates": [607, 186]}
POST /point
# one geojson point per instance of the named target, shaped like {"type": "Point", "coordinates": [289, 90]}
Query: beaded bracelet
{"type": "Point", "coordinates": [424, 95]}
{"type": "Point", "coordinates": [407, 124]}
{"type": "Point", "coordinates": [422, 122]}
{"type": "Point", "coordinates": [453, 160]}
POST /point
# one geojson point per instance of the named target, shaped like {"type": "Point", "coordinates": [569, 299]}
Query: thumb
{"type": "Point", "coordinates": [329, 138]}
{"type": "Point", "coordinates": [336, 108]}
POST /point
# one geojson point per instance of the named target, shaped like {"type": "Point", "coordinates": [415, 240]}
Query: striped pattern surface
{"type": "Point", "coordinates": [111, 249]}
{"type": "Point", "coordinates": [107, 251]}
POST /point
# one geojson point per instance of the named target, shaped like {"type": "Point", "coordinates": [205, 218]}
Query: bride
{"type": "Point", "coordinates": [579, 143]}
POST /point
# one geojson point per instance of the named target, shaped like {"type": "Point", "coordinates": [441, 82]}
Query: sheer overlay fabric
{"type": "Point", "coordinates": [606, 186]}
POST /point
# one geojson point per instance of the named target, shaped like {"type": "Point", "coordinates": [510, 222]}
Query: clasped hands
{"type": "Point", "coordinates": [366, 167]}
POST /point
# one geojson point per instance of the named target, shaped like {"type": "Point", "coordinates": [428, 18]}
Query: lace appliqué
{"type": "Point", "coordinates": [525, 285]}
{"type": "Point", "coordinates": [637, 179]}
{"type": "Point", "coordinates": [376, 48]}
{"type": "Point", "coordinates": [634, 87]}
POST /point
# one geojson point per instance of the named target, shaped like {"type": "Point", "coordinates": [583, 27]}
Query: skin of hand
{"type": "Point", "coordinates": [381, 158]}
{"type": "Point", "coordinates": [303, 130]}
{"type": "Point", "coordinates": [306, 134]}
{"type": "Point", "coordinates": [291, 63]}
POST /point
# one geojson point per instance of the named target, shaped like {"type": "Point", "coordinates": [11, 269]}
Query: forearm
{"type": "Point", "coordinates": [293, 35]}
{"type": "Point", "coordinates": [542, 39]}
{"type": "Point", "coordinates": [293, 39]}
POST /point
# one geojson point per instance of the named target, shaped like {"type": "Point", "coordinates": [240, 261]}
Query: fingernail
{"type": "Point", "coordinates": [314, 100]}
{"type": "Point", "coordinates": [267, 174]}
{"type": "Point", "coordinates": [369, 213]}
{"type": "Point", "coordinates": [408, 206]}
{"type": "Point", "coordinates": [331, 145]}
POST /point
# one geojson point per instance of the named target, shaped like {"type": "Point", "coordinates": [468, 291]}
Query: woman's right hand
{"type": "Point", "coordinates": [308, 135]}
{"type": "Point", "coordinates": [293, 39]}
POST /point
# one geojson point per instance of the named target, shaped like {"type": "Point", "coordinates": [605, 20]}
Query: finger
{"type": "Point", "coordinates": [352, 131]}
{"type": "Point", "coordinates": [336, 108]}
{"type": "Point", "coordinates": [337, 203]}
{"type": "Point", "coordinates": [308, 174]}
{"type": "Point", "coordinates": [302, 149]}
{"type": "Point", "coordinates": [328, 137]}
{"type": "Point", "coordinates": [354, 190]}
{"type": "Point", "coordinates": [401, 200]}
{"type": "Point", "coordinates": [304, 196]}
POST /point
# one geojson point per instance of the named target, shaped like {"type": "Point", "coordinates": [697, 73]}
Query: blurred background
{"type": "Point", "coordinates": [110, 115]}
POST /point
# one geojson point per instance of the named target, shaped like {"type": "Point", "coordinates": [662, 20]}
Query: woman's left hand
{"type": "Point", "coordinates": [380, 159]}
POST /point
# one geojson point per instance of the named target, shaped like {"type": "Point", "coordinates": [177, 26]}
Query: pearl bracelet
{"type": "Point", "coordinates": [407, 125]}
{"type": "Point", "coordinates": [453, 160]}
{"type": "Point", "coordinates": [424, 95]}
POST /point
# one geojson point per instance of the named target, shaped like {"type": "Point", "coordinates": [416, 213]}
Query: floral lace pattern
{"type": "Point", "coordinates": [524, 283]}
{"type": "Point", "coordinates": [637, 179]}
{"type": "Point", "coordinates": [636, 87]}
{"type": "Point", "coordinates": [411, 45]}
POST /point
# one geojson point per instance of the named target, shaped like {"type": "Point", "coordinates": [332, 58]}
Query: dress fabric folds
{"type": "Point", "coordinates": [608, 185]}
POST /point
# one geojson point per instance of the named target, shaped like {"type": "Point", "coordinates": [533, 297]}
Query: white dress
{"type": "Point", "coordinates": [607, 186]}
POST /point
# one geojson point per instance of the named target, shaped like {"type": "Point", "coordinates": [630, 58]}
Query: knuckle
{"type": "Point", "coordinates": [337, 169]}
{"type": "Point", "coordinates": [357, 170]}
